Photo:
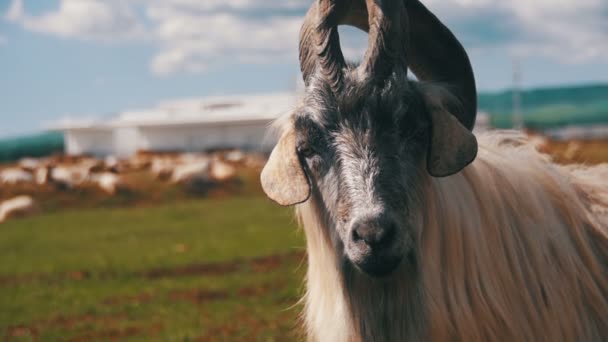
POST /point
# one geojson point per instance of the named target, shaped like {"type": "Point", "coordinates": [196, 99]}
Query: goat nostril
{"type": "Point", "coordinates": [373, 235]}
{"type": "Point", "coordinates": [356, 236]}
{"type": "Point", "coordinates": [386, 236]}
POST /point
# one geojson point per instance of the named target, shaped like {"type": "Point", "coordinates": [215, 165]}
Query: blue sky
{"type": "Point", "coordinates": [96, 57]}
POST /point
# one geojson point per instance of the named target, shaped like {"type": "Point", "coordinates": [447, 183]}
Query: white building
{"type": "Point", "coordinates": [184, 125]}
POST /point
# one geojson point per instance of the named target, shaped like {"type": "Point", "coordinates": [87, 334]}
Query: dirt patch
{"type": "Point", "coordinates": [21, 331]}
{"type": "Point", "coordinates": [258, 265]}
{"type": "Point", "coordinates": [119, 334]}
{"type": "Point", "coordinates": [64, 322]}
{"type": "Point", "coordinates": [199, 296]}
{"type": "Point", "coordinates": [105, 328]}
{"type": "Point", "coordinates": [122, 300]}
{"type": "Point", "coordinates": [52, 278]}
{"type": "Point", "coordinates": [193, 270]}
{"type": "Point", "coordinates": [259, 291]}
{"type": "Point", "coordinates": [18, 280]}
{"type": "Point", "coordinates": [267, 264]}
{"type": "Point", "coordinates": [246, 327]}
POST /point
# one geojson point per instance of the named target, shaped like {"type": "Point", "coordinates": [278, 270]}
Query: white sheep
{"type": "Point", "coordinates": [17, 207]}
{"type": "Point", "coordinates": [14, 176]}
{"type": "Point", "coordinates": [221, 171]}
{"type": "Point", "coordinates": [70, 176]}
{"type": "Point", "coordinates": [107, 181]}
{"type": "Point", "coordinates": [191, 171]}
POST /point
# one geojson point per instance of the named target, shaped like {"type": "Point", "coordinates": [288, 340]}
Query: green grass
{"type": "Point", "coordinates": [204, 269]}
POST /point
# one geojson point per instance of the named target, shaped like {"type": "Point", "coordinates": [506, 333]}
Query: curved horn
{"type": "Point", "coordinates": [433, 53]}
{"type": "Point", "coordinates": [388, 38]}
{"type": "Point", "coordinates": [436, 55]}
{"type": "Point", "coordinates": [320, 41]}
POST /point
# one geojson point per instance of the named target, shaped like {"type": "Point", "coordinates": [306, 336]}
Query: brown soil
{"type": "Point", "coordinates": [34, 328]}
{"type": "Point", "coordinates": [114, 334]}
{"type": "Point", "coordinates": [122, 300]}
{"type": "Point", "coordinates": [198, 296]}
{"type": "Point", "coordinates": [257, 265]}
{"type": "Point", "coordinates": [246, 327]}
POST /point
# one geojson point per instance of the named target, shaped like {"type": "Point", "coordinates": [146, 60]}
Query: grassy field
{"type": "Point", "coordinates": [226, 268]}
{"type": "Point", "coordinates": [207, 270]}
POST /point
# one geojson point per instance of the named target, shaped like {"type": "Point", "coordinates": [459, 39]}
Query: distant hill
{"type": "Point", "coordinates": [38, 145]}
{"type": "Point", "coordinates": [550, 107]}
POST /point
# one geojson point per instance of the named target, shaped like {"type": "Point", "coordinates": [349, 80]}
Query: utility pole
{"type": "Point", "coordinates": [518, 120]}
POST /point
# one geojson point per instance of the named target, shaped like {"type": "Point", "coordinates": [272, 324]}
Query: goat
{"type": "Point", "coordinates": [416, 229]}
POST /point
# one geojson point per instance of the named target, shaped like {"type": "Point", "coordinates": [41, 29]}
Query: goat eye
{"type": "Point", "coordinates": [306, 151]}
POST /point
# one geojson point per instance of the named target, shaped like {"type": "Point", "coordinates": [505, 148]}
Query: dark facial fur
{"type": "Point", "coordinates": [363, 149]}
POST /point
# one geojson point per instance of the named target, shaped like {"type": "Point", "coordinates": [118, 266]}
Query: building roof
{"type": "Point", "coordinates": [207, 110]}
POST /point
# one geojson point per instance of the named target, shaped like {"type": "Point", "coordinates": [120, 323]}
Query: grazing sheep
{"type": "Point", "coordinates": [221, 171]}
{"type": "Point", "coordinates": [194, 170]}
{"type": "Point", "coordinates": [20, 206]}
{"type": "Point", "coordinates": [108, 182]}
{"type": "Point", "coordinates": [112, 164]}
{"type": "Point", "coordinates": [41, 175]}
{"type": "Point", "coordinates": [235, 156]}
{"type": "Point", "coordinates": [139, 161]}
{"type": "Point", "coordinates": [417, 230]}
{"type": "Point", "coordinates": [13, 176]}
{"type": "Point", "coordinates": [29, 164]}
{"type": "Point", "coordinates": [162, 167]}
{"type": "Point", "coordinates": [70, 176]}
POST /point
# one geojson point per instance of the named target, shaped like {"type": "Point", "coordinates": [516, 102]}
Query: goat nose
{"type": "Point", "coordinates": [374, 233]}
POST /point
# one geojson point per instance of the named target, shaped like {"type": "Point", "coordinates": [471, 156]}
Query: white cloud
{"type": "Point", "coordinates": [198, 35]}
{"type": "Point", "coordinates": [565, 30]}
{"type": "Point", "coordinates": [15, 11]}
{"type": "Point", "coordinates": [211, 5]}
{"type": "Point", "coordinates": [196, 42]}
{"type": "Point", "coordinates": [82, 19]}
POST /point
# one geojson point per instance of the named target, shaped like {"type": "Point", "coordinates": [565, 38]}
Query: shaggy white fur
{"type": "Point", "coordinates": [513, 248]}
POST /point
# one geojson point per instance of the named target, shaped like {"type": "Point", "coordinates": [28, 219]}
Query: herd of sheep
{"type": "Point", "coordinates": [110, 175]}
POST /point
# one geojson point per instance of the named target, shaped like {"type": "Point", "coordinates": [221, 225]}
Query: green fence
{"type": "Point", "coordinates": [38, 145]}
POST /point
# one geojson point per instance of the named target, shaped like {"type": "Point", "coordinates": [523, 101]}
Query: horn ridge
{"type": "Point", "coordinates": [330, 57]}
{"type": "Point", "coordinates": [428, 48]}
{"type": "Point", "coordinates": [320, 42]}
{"type": "Point", "coordinates": [387, 27]}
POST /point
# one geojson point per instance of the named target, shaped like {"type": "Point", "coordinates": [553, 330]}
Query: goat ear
{"type": "Point", "coordinates": [283, 178]}
{"type": "Point", "coordinates": [452, 146]}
